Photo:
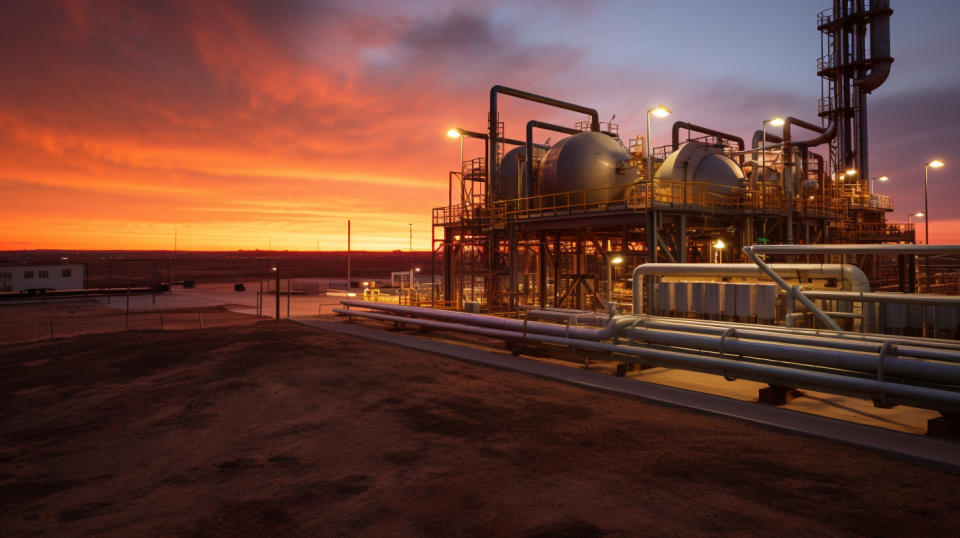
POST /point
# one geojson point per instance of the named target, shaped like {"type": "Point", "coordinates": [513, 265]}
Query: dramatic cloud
{"type": "Point", "coordinates": [242, 122]}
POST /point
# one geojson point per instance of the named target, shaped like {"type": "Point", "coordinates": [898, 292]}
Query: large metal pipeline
{"type": "Point", "coordinates": [855, 278]}
{"type": "Point", "coordinates": [906, 346]}
{"type": "Point", "coordinates": [613, 326]}
{"type": "Point", "coordinates": [790, 121]}
{"type": "Point", "coordinates": [876, 389]}
{"type": "Point", "coordinates": [733, 342]}
{"type": "Point", "coordinates": [808, 351]}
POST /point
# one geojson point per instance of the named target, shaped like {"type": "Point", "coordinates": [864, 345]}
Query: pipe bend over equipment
{"type": "Point", "coordinates": [493, 179]}
{"type": "Point", "coordinates": [529, 142]}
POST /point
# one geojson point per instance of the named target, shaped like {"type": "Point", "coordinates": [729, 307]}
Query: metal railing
{"type": "Point", "coordinates": [665, 194]}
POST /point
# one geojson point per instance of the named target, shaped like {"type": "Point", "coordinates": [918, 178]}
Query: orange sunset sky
{"type": "Point", "coordinates": [246, 124]}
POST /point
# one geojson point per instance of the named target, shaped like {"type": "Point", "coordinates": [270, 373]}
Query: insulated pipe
{"type": "Point", "coordinates": [493, 171]}
{"type": "Point", "coordinates": [707, 325]}
{"type": "Point", "coordinates": [933, 350]}
{"type": "Point", "coordinates": [529, 144]}
{"type": "Point", "coordinates": [677, 125]}
{"type": "Point", "coordinates": [930, 398]}
{"type": "Point", "coordinates": [852, 274]}
{"type": "Point", "coordinates": [613, 326]}
{"type": "Point", "coordinates": [803, 354]}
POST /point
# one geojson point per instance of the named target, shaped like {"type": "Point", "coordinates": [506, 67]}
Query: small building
{"type": "Point", "coordinates": [42, 277]}
{"type": "Point", "coordinates": [401, 279]}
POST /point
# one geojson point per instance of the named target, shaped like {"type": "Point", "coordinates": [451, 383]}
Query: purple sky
{"type": "Point", "coordinates": [247, 122]}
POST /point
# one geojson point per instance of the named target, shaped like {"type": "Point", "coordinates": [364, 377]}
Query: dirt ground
{"type": "Point", "coordinates": [278, 429]}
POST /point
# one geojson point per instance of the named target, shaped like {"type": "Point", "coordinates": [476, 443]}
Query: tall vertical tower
{"type": "Point", "coordinates": [850, 69]}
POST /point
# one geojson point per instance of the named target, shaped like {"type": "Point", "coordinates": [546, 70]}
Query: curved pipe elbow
{"type": "Point", "coordinates": [877, 76]}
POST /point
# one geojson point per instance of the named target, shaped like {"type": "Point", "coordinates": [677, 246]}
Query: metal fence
{"type": "Point", "coordinates": [60, 327]}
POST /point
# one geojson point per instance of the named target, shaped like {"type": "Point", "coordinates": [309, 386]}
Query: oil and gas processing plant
{"type": "Point", "coordinates": [769, 260]}
{"type": "Point", "coordinates": [529, 224]}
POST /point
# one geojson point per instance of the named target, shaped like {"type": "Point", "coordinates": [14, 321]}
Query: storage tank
{"type": "Point", "coordinates": [511, 166]}
{"type": "Point", "coordinates": [589, 160]}
{"type": "Point", "coordinates": [696, 161]}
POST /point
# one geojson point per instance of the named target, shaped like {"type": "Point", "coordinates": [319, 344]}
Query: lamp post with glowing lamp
{"type": "Point", "coordinates": [873, 184]}
{"type": "Point", "coordinates": [276, 269]}
{"type": "Point", "coordinates": [611, 261]}
{"type": "Point", "coordinates": [926, 209]}
{"type": "Point", "coordinates": [718, 247]}
{"type": "Point", "coordinates": [411, 255]}
{"type": "Point", "coordinates": [776, 122]}
{"type": "Point", "coordinates": [659, 111]}
{"type": "Point", "coordinates": [455, 133]}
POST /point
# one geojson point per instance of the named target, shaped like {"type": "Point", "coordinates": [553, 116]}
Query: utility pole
{"type": "Point", "coordinates": [127, 318]}
{"type": "Point", "coordinates": [277, 269]}
{"type": "Point", "coordinates": [173, 260]}
{"type": "Point", "coordinates": [348, 253]}
{"type": "Point", "coordinates": [411, 256]}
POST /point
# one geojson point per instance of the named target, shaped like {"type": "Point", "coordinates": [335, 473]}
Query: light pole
{"type": "Point", "coordinates": [411, 255]}
{"type": "Point", "coordinates": [775, 121]}
{"type": "Point", "coordinates": [873, 180]}
{"type": "Point", "coordinates": [659, 111]}
{"type": "Point", "coordinates": [718, 246]}
{"type": "Point", "coordinates": [918, 214]}
{"type": "Point", "coordinates": [456, 133]}
{"type": "Point", "coordinates": [611, 261]}
{"type": "Point", "coordinates": [926, 209]}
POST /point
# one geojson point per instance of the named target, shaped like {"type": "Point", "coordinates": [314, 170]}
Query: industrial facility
{"type": "Point", "coordinates": [771, 260]}
{"type": "Point", "coordinates": [556, 225]}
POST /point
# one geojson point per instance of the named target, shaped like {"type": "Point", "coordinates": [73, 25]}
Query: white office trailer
{"type": "Point", "coordinates": [42, 277]}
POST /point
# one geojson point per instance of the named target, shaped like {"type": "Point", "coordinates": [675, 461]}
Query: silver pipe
{"type": "Point", "coordinates": [881, 297]}
{"type": "Point", "coordinates": [802, 354]}
{"type": "Point", "coordinates": [854, 249]}
{"type": "Point", "coordinates": [930, 398]}
{"type": "Point", "coordinates": [613, 326]}
{"type": "Point", "coordinates": [591, 318]}
{"type": "Point", "coordinates": [807, 351]}
{"type": "Point", "coordinates": [717, 327]}
{"type": "Point", "coordinates": [611, 330]}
